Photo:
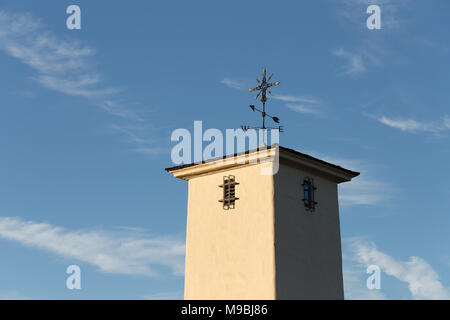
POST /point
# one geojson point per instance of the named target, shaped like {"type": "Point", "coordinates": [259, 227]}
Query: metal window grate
{"type": "Point", "coordinates": [308, 194]}
{"type": "Point", "coordinates": [229, 192]}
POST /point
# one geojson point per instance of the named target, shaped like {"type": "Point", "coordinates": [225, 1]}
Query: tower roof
{"type": "Point", "coordinates": [188, 171]}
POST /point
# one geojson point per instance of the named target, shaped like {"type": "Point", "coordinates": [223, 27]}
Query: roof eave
{"type": "Point", "coordinates": [335, 172]}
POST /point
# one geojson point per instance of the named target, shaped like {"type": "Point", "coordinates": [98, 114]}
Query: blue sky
{"type": "Point", "coordinates": [86, 117]}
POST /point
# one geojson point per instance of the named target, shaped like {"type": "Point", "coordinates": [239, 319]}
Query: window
{"type": "Point", "coordinates": [308, 194]}
{"type": "Point", "coordinates": [229, 192]}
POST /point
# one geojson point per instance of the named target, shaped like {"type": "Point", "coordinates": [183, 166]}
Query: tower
{"type": "Point", "coordinates": [253, 235]}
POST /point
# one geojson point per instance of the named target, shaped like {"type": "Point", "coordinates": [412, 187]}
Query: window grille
{"type": "Point", "coordinates": [308, 194]}
{"type": "Point", "coordinates": [229, 192]}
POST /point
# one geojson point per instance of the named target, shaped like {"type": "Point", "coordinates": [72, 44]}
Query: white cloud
{"type": "Point", "coordinates": [117, 109]}
{"type": "Point", "coordinates": [411, 125]}
{"type": "Point", "coordinates": [60, 65]}
{"type": "Point", "coordinates": [142, 142]}
{"type": "Point", "coordinates": [301, 104]}
{"type": "Point", "coordinates": [355, 284]}
{"type": "Point", "coordinates": [370, 48]}
{"type": "Point", "coordinates": [234, 84]}
{"type": "Point", "coordinates": [354, 11]}
{"type": "Point", "coordinates": [355, 63]}
{"type": "Point", "coordinates": [300, 99]}
{"type": "Point", "coordinates": [447, 122]}
{"type": "Point", "coordinates": [12, 295]}
{"type": "Point", "coordinates": [79, 86]}
{"type": "Point", "coordinates": [362, 190]}
{"type": "Point", "coordinates": [174, 295]}
{"type": "Point", "coordinates": [65, 66]}
{"type": "Point", "coordinates": [302, 108]}
{"type": "Point", "coordinates": [423, 281]}
{"type": "Point", "coordinates": [110, 252]}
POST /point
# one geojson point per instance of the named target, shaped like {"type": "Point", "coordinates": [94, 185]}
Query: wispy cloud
{"type": "Point", "coordinates": [447, 121]}
{"type": "Point", "coordinates": [67, 67]}
{"type": "Point", "coordinates": [301, 104]}
{"type": "Point", "coordinates": [232, 83]}
{"type": "Point", "coordinates": [302, 108]}
{"type": "Point", "coordinates": [423, 281]}
{"type": "Point", "coordinates": [365, 189]}
{"type": "Point", "coordinates": [142, 138]}
{"type": "Point", "coordinates": [407, 124]}
{"type": "Point", "coordinates": [354, 11]}
{"type": "Point", "coordinates": [355, 63]}
{"type": "Point", "coordinates": [370, 48]}
{"type": "Point", "coordinates": [411, 125]}
{"type": "Point", "coordinates": [60, 65]}
{"type": "Point", "coordinates": [174, 295]}
{"type": "Point", "coordinates": [12, 295]}
{"type": "Point", "coordinates": [299, 99]}
{"type": "Point", "coordinates": [368, 53]}
{"type": "Point", "coordinates": [112, 252]}
{"type": "Point", "coordinates": [75, 87]}
{"type": "Point", "coordinates": [355, 284]}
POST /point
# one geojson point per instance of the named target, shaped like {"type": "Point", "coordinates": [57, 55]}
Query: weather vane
{"type": "Point", "coordinates": [263, 87]}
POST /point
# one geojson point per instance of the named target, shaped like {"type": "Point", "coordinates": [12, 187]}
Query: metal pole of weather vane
{"type": "Point", "coordinates": [263, 87]}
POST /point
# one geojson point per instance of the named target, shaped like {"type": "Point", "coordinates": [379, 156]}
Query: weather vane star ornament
{"type": "Point", "coordinates": [263, 88]}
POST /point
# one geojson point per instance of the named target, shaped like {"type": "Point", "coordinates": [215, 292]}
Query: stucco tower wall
{"type": "Point", "coordinates": [230, 253]}
{"type": "Point", "coordinates": [307, 244]}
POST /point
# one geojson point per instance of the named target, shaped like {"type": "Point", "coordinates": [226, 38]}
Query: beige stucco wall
{"type": "Point", "coordinates": [230, 253]}
{"type": "Point", "coordinates": [308, 244]}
